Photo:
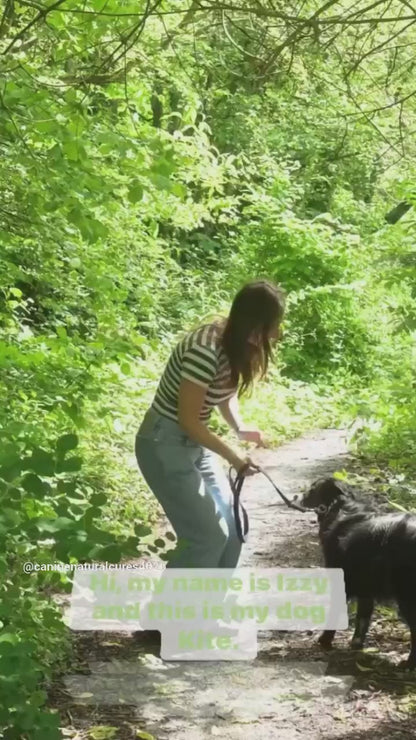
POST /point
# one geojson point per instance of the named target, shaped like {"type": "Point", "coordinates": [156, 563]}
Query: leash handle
{"type": "Point", "coordinates": [236, 485]}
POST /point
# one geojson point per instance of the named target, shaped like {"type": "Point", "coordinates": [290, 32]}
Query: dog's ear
{"type": "Point", "coordinates": [334, 489]}
{"type": "Point", "coordinates": [319, 494]}
{"type": "Point", "coordinates": [325, 491]}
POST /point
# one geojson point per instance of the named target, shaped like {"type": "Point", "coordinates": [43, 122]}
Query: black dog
{"type": "Point", "coordinates": [377, 553]}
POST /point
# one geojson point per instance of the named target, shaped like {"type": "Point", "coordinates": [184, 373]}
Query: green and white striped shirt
{"type": "Point", "coordinates": [200, 358]}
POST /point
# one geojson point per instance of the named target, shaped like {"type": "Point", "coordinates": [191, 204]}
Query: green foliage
{"type": "Point", "coordinates": [48, 516]}
{"type": "Point", "coordinates": [152, 160]}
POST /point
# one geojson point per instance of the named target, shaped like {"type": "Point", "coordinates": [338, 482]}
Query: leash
{"type": "Point", "coordinates": [236, 486]}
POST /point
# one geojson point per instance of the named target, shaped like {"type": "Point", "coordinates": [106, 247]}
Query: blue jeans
{"type": "Point", "coordinates": [194, 492]}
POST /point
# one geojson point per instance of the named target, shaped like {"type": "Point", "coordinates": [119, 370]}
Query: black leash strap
{"type": "Point", "coordinates": [236, 486]}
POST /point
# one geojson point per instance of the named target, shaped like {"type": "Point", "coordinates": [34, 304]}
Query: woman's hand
{"type": "Point", "coordinates": [230, 411]}
{"type": "Point", "coordinates": [239, 463]}
{"type": "Point", "coordinates": [252, 435]}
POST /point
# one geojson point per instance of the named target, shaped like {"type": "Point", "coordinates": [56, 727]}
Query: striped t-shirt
{"type": "Point", "coordinates": [199, 357]}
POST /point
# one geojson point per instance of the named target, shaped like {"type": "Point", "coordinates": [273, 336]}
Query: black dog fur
{"type": "Point", "coordinates": [377, 553]}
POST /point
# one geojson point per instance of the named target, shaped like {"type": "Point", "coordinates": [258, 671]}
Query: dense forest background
{"type": "Point", "coordinates": [154, 156]}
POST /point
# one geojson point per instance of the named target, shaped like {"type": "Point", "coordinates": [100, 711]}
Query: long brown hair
{"type": "Point", "coordinates": [257, 308]}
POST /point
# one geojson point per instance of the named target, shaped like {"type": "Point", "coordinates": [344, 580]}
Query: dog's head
{"type": "Point", "coordinates": [325, 493]}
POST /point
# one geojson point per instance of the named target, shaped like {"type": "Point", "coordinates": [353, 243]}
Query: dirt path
{"type": "Point", "coordinates": [292, 689]}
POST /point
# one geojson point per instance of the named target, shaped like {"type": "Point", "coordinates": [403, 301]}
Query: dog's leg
{"type": "Point", "coordinates": [325, 640]}
{"type": "Point", "coordinates": [362, 622]}
{"type": "Point", "coordinates": [408, 612]}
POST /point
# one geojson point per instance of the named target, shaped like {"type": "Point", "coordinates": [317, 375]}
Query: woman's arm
{"type": "Point", "coordinates": [230, 411]}
{"type": "Point", "coordinates": [190, 402]}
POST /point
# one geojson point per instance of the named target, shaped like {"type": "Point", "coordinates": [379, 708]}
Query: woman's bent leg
{"type": "Point", "coordinates": [169, 468]}
{"type": "Point", "coordinates": [218, 488]}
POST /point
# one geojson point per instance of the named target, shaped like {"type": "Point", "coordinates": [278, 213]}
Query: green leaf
{"type": "Point", "coordinates": [135, 192]}
{"type": "Point", "coordinates": [74, 412]}
{"type": "Point", "coordinates": [95, 230]}
{"type": "Point", "coordinates": [79, 550]}
{"type": "Point", "coordinates": [9, 456]}
{"type": "Point", "coordinates": [112, 553]}
{"type": "Point", "coordinates": [47, 727]}
{"type": "Point", "coordinates": [161, 182]}
{"type": "Point", "coordinates": [163, 167]}
{"type": "Point", "coordinates": [10, 638]}
{"type": "Point", "coordinates": [68, 487]}
{"type": "Point", "coordinates": [340, 475]}
{"type": "Point", "coordinates": [98, 499]}
{"type": "Point", "coordinates": [33, 484]}
{"type": "Point", "coordinates": [52, 526]}
{"type": "Point", "coordinates": [38, 698]}
{"type": "Point", "coordinates": [56, 20]}
{"type": "Point", "coordinates": [41, 462]}
{"type": "Point", "coordinates": [61, 332]}
{"type": "Point", "coordinates": [69, 465]}
{"type": "Point", "coordinates": [90, 228]}
{"type": "Point", "coordinates": [102, 732]}
{"type": "Point", "coordinates": [45, 126]}
{"type": "Point", "coordinates": [74, 150]}
{"type": "Point", "coordinates": [65, 443]}
{"type": "Point", "coordinates": [11, 472]}
{"type": "Point", "coordinates": [144, 735]}
{"type": "Point", "coordinates": [142, 530]}
{"type": "Point", "coordinates": [11, 516]}
{"type": "Point", "coordinates": [179, 190]}
{"type": "Point", "coordinates": [98, 536]}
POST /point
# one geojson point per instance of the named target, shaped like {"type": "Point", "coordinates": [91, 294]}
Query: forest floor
{"type": "Point", "coordinates": [121, 689]}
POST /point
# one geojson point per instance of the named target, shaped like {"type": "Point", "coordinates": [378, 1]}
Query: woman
{"type": "Point", "coordinates": [211, 366]}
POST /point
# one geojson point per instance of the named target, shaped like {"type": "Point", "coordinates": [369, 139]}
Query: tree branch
{"type": "Point", "coordinates": [41, 16]}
